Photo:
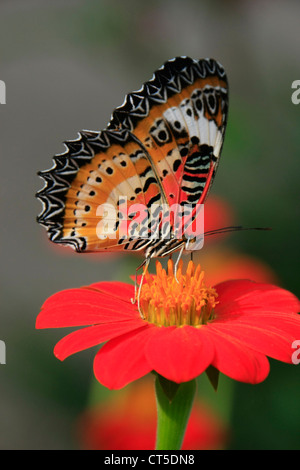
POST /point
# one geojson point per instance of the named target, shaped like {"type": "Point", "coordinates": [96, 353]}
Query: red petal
{"type": "Point", "coordinates": [179, 354]}
{"type": "Point", "coordinates": [122, 360]}
{"type": "Point", "coordinates": [118, 290]}
{"type": "Point", "coordinates": [232, 358]}
{"type": "Point", "coordinates": [288, 323]}
{"type": "Point", "coordinates": [272, 342]}
{"type": "Point", "coordinates": [242, 297]}
{"type": "Point", "coordinates": [77, 307]}
{"type": "Point", "coordinates": [93, 335]}
{"type": "Point", "coordinates": [234, 288]}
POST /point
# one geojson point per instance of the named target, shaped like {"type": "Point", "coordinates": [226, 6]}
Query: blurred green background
{"type": "Point", "coordinates": [67, 65]}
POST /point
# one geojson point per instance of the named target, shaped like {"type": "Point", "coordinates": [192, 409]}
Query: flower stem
{"type": "Point", "coordinates": [174, 405]}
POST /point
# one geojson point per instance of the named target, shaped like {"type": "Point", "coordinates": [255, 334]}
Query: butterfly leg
{"type": "Point", "coordinates": [177, 262]}
{"type": "Point", "coordinates": [137, 289]}
{"type": "Point", "coordinates": [147, 261]}
{"type": "Point", "coordinates": [133, 301]}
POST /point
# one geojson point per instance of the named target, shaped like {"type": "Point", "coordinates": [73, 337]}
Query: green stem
{"type": "Point", "coordinates": [174, 405]}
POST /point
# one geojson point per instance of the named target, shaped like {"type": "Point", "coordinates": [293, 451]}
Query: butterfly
{"type": "Point", "coordinates": [161, 148]}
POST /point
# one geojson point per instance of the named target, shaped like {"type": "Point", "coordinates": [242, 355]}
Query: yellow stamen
{"type": "Point", "coordinates": [167, 301]}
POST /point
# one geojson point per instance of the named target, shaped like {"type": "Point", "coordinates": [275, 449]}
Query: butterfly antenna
{"type": "Point", "coordinates": [233, 229]}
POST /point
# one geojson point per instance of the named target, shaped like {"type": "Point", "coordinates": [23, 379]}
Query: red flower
{"type": "Point", "coordinates": [128, 422]}
{"type": "Point", "coordinates": [185, 327]}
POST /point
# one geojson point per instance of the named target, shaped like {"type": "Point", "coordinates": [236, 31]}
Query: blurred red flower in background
{"type": "Point", "coordinates": [217, 214]}
{"type": "Point", "coordinates": [128, 422]}
{"type": "Point", "coordinates": [222, 263]}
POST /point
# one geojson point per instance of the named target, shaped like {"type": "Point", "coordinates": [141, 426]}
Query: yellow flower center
{"type": "Point", "coordinates": [166, 300]}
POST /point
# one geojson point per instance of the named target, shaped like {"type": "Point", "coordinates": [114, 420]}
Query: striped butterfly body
{"type": "Point", "coordinates": [161, 148]}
